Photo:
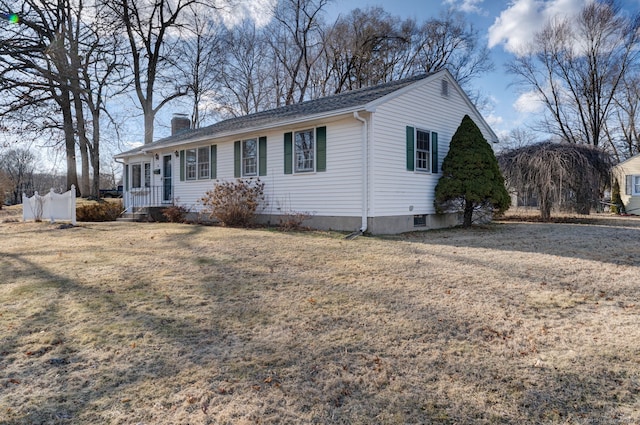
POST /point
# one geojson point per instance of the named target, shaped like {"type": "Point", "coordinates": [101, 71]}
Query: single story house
{"type": "Point", "coordinates": [627, 173]}
{"type": "Point", "coordinates": [366, 160]}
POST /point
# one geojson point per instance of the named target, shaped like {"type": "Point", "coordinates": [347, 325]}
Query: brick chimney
{"type": "Point", "coordinates": [179, 124]}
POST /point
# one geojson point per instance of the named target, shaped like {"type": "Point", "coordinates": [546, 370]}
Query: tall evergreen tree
{"type": "Point", "coordinates": [471, 177]}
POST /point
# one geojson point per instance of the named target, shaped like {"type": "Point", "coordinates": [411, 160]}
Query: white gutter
{"type": "Point", "coordinates": [365, 170]}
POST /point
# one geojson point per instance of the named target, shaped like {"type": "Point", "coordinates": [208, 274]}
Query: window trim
{"type": "Point", "coordinates": [144, 175]}
{"type": "Point", "coordinates": [635, 185]}
{"type": "Point", "coordinates": [255, 156]}
{"type": "Point", "coordinates": [416, 150]}
{"type": "Point", "coordinates": [200, 163]}
{"type": "Point", "coordinates": [410, 146]}
{"type": "Point", "coordinates": [147, 174]}
{"type": "Point", "coordinates": [193, 172]}
{"type": "Point", "coordinates": [313, 150]}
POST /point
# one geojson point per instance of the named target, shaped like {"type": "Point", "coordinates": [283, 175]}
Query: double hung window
{"type": "Point", "coordinates": [204, 164]}
{"type": "Point", "coordinates": [141, 175]}
{"type": "Point", "coordinates": [422, 150]}
{"type": "Point", "coordinates": [250, 158]}
{"type": "Point", "coordinates": [304, 151]}
{"type": "Point", "coordinates": [197, 163]}
{"type": "Point", "coordinates": [423, 147]}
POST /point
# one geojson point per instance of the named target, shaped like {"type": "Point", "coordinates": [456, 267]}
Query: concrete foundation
{"type": "Point", "coordinates": [375, 225]}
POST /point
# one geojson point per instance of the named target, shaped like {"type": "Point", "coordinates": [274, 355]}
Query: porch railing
{"type": "Point", "coordinates": [153, 196]}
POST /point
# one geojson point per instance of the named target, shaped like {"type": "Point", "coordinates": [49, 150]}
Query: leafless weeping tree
{"type": "Point", "coordinates": [562, 174]}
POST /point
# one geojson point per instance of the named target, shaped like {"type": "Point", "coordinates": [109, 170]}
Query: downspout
{"type": "Point", "coordinates": [365, 171]}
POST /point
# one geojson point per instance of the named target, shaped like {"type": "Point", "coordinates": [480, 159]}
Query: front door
{"type": "Point", "coordinates": [167, 183]}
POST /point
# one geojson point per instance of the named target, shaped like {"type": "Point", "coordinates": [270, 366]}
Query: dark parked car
{"type": "Point", "coordinates": [111, 193]}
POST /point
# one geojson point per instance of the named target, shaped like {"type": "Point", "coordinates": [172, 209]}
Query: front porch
{"type": "Point", "coordinates": [145, 203]}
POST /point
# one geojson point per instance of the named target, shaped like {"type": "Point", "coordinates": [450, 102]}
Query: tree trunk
{"type": "Point", "coordinates": [69, 140]}
{"type": "Point", "coordinates": [468, 214]}
{"type": "Point", "coordinates": [83, 143]}
{"type": "Point", "coordinates": [95, 154]}
{"type": "Point", "coordinates": [545, 206]}
{"type": "Point", "coordinates": [149, 116]}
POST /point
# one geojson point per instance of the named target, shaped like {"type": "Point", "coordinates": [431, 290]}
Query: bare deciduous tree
{"type": "Point", "coordinates": [627, 114]}
{"type": "Point", "coordinates": [17, 166]}
{"type": "Point", "coordinates": [152, 31]}
{"type": "Point", "coordinates": [297, 44]}
{"type": "Point", "coordinates": [450, 42]}
{"type": "Point", "coordinates": [363, 48]}
{"type": "Point", "coordinates": [576, 68]}
{"type": "Point", "coordinates": [201, 59]}
{"type": "Point", "coordinates": [248, 72]}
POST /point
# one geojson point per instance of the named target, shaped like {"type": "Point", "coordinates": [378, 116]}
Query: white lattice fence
{"type": "Point", "coordinates": [52, 206]}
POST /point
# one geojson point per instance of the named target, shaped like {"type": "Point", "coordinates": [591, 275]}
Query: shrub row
{"type": "Point", "coordinates": [99, 211]}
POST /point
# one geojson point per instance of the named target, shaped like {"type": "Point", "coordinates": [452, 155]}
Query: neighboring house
{"type": "Point", "coordinates": [628, 175]}
{"type": "Point", "coordinates": [367, 159]}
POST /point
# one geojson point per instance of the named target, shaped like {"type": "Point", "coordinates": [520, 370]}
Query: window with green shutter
{"type": "Point", "coordinates": [421, 150]}
{"type": "Point", "coordinates": [305, 151]}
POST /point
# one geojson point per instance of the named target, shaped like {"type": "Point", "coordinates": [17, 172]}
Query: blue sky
{"type": "Point", "coordinates": [504, 27]}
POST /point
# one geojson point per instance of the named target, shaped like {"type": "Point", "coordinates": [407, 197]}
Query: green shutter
{"type": "Point", "coordinates": [410, 149]}
{"type": "Point", "coordinates": [214, 161]}
{"type": "Point", "coordinates": [628, 186]}
{"type": "Point", "coordinates": [262, 156]}
{"type": "Point", "coordinates": [321, 148]}
{"type": "Point", "coordinates": [434, 152]}
{"type": "Point", "coordinates": [237, 164]}
{"type": "Point", "coordinates": [288, 153]}
{"type": "Point", "coordinates": [181, 166]}
{"type": "Point", "coordinates": [126, 177]}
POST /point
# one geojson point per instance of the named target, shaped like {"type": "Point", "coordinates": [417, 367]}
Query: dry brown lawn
{"type": "Point", "coordinates": [119, 323]}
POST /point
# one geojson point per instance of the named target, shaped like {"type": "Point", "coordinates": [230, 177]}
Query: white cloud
{"type": "Point", "coordinates": [468, 6]}
{"type": "Point", "coordinates": [517, 24]}
{"type": "Point", "coordinates": [494, 120]}
{"type": "Point", "coordinates": [259, 11]}
{"type": "Point", "coordinates": [528, 102]}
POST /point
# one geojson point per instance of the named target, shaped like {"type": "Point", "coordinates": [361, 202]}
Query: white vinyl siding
{"type": "Point", "coordinates": [628, 175]}
{"type": "Point", "coordinates": [334, 192]}
{"type": "Point", "coordinates": [394, 191]}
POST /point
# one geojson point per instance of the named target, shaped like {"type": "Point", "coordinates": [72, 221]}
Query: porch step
{"type": "Point", "coordinates": [134, 217]}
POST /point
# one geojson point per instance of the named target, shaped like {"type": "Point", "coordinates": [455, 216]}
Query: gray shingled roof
{"type": "Point", "coordinates": [339, 102]}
